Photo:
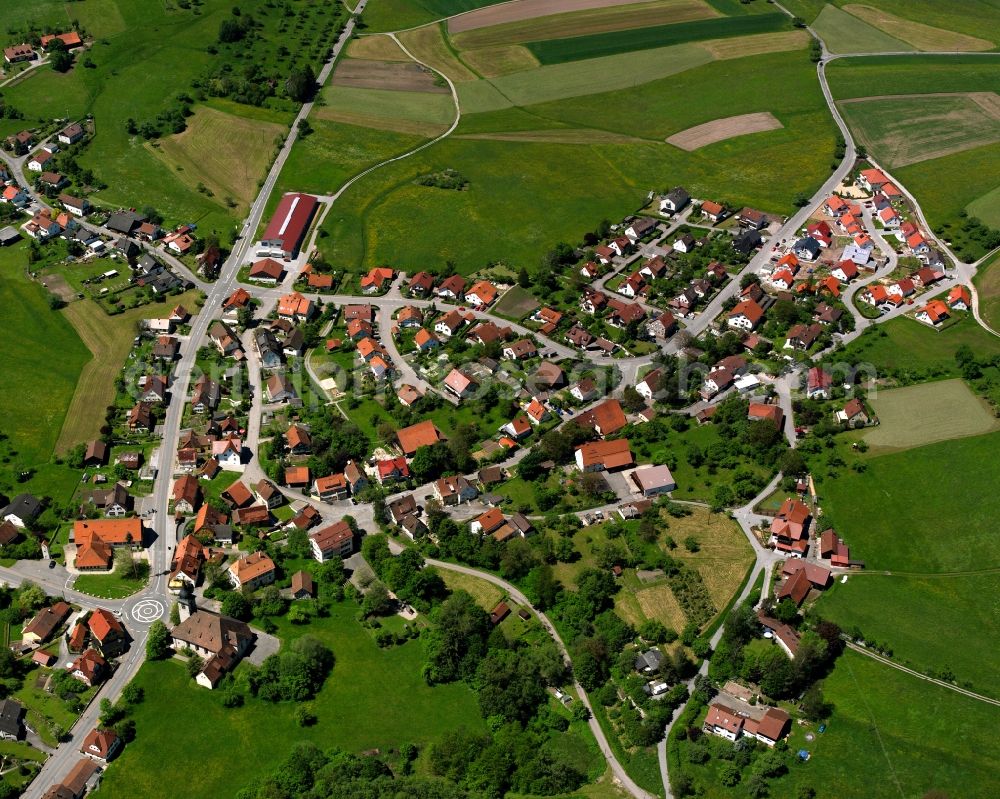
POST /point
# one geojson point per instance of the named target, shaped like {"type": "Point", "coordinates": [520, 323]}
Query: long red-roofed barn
{"type": "Point", "coordinates": [288, 226]}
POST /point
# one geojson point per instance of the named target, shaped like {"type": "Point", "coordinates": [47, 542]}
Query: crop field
{"type": "Point", "coordinates": [897, 611]}
{"type": "Point", "coordinates": [392, 15]}
{"type": "Point", "coordinates": [906, 129]}
{"type": "Point", "coordinates": [901, 513]}
{"type": "Point", "coordinates": [42, 359]}
{"type": "Point", "coordinates": [504, 14]}
{"type": "Point", "coordinates": [845, 33]}
{"type": "Point", "coordinates": [229, 154]}
{"type": "Point", "coordinates": [235, 745]}
{"type": "Point", "coordinates": [516, 303]}
{"type": "Point", "coordinates": [921, 36]}
{"type": "Point", "coordinates": [492, 62]}
{"type": "Point", "coordinates": [429, 46]}
{"type": "Point", "coordinates": [435, 109]}
{"type": "Point", "coordinates": [608, 17]}
{"type": "Point", "coordinates": [721, 129]}
{"type": "Point", "coordinates": [392, 75]}
{"type": "Point", "coordinates": [559, 51]}
{"type": "Point", "coordinates": [948, 409]}
{"type": "Point", "coordinates": [375, 48]}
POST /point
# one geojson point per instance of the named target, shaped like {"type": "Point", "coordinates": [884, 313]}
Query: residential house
{"type": "Point", "coordinates": [579, 337]}
{"type": "Point", "coordinates": [933, 313]}
{"type": "Point", "coordinates": [44, 623]}
{"type": "Point", "coordinates": [802, 337]}
{"type": "Point", "coordinates": [807, 249]}
{"type": "Point", "coordinates": [481, 294]}
{"type": "Point", "coordinates": [585, 390]}
{"type": "Point", "coordinates": [751, 218]}
{"type": "Point", "coordinates": [821, 232]}
{"type": "Point", "coordinates": [107, 633]}
{"type": "Point", "coordinates": [675, 200]}
{"type": "Point", "coordinates": [421, 284]}
{"type": "Point", "coordinates": [715, 212]}
{"type": "Point", "coordinates": [331, 488]}
{"type": "Point", "coordinates": [451, 288]}
{"type": "Point", "coordinates": [597, 456]}
{"type": "Point", "coordinates": [96, 540]}
{"type": "Point", "coordinates": [267, 271]}
{"type": "Point", "coordinates": [279, 388]}
{"type": "Point", "coordinates": [220, 640]}
{"type": "Point", "coordinates": [454, 490]}
{"type": "Point", "coordinates": [449, 324]}
{"type": "Point", "coordinates": [337, 540]}
{"type": "Point", "coordinates": [959, 299]}
{"type": "Point", "coordinates": [303, 586]}
{"type": "Point", "coordinates": [90, 668]}
{"type": "Point", "coordinates": [520, 350]}
{"type": "Point", "coordinates": [389, 470]}
{"type": "Point", "coordinates": [845, 271]}
{"type": "Point", "coordinates": [253, 571]}
{"type": "Point", "coordinates": [826, 314]}
{"type": "Point", "coordinates": [790, 528]}
{"type": "Point", "coordinates": [746, 315]}
{"type": "Point", "coordinates": [853, 414]}
{"type": "Point", "coordinates": [296, 308]}
{"type": "Point", "coordinates": [536, 411]}
{"type": "Point", "coordinates": [101, 745]}
{"type": "Point", "coordinates": [185, 566]}
{"type": "Point", "coordinates": [818, 383]}
{"type": "Point", "coordinates": [663, 326]}
{"type": "Point", "coordinates": [424, 340]}
{"type": "Point", "coordinates": [624, 313]}
{"type": "Point", "coordinates": [460, 384]}
{"type": "Point", "coordinates": [422, 434]}
{"type": "Point", "coordinates": [186, 494]}
{"type": "Point", "coordinates": [268, 493]}
{"type": "Point", "coordinates": [517, 428]}
{"type": "Point", "coordinates": [605, 419]}
{"type": "Point", "coordinates": [377, 280]}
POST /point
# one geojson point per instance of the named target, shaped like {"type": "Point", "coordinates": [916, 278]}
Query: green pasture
{"type": "Point", "coordinates": [898, 611]}
{"type": "Point", "coordinates": [917, 74]}
{"type": "Point", "coordinates": [926, 509]}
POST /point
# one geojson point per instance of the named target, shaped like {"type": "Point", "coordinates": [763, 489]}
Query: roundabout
{"type": "Point", "coordinates": [146, 611]}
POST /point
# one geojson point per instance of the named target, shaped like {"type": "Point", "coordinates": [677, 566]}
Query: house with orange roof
{"type": "Point", "coordinates": [253, 571]}
{"type": "Point", "coordinates": [536, 411]}
{"type": "Point", "coordinates": [845, 271]}
{"type": "Point", "coordinates": [518, 427]}
{"type": "Point", "coordinates": [605, 419]}
{"type": "Point", "coordinates": [460, 384]}
{"type": "Point", "coordinates": [422, 434]}
{"type": "Point", "coordinates": [296, 308]}
{"type": "Point", "coordinates": [331, 488]}
{"type": "Point", "coordinates": [933, 313]}
{"type": "Point", "coordinates": [297, 477]}
{"type": "Point", "coordinates": [959, 298]}
{"type": "Point", "coordinates": [790, 528]}
{"type": "Point", "coordinates": [599, 456]}
{"type": "Point", "coordinates": [746, 315]}
{"type": "Point", "coordinates": [96, 540]}
{"type": "Point", "coordinates": [377, 280]}
{"type": "Point", "coordinates": [425, 340]}
{"type": "Point", "coordinates": [267, 270]}
{"type": "Point", "coordinates": [872, 180]}
{"type": "Point", "coordinates": [481, 294]}
{"type": "Point", "coordinates": [107, 633]}
{"type": "Point", "coordinates": [835, 206]}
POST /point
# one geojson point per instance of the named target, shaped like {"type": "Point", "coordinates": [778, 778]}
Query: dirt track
{"type": "Point", "coordinates": [721, 129]}
{"type": "Point", "coordinates": [391, 75]}
{"type": "Point", "coordinates": [524, 9]}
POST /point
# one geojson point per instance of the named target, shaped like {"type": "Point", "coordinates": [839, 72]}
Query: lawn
{"type": "Point", "coordinates": [374, 698]}
{"type": "Point", "coordinates": [116, 585]}
{"type": "Point", "coordinates": [577, 48]}
{"type": "Point", "coordinates": [890, 736]}
{"type": "Point", "coordinates": [224, 151]}
{"type": "Point", "coordinates": [42, 357]}
{"type": "Point", "coordinates": [516, 303]}
{"type": "Point", "coordinates": [109, 339]}
{"type": "Point", "coordinates": [917, 128]}
{"type": "Point", "coordinates": [928, 509]}
{"type": "Point", "coordinates": [47, 714]}
{"type": "Point", "coordinates": [926, 413]}
{"type": "Point", "coordinates": [846, 33]}
{"type": "Point", "coordinates": [486, 594]}
{"type": "Point", "coordinates": [898, 611]}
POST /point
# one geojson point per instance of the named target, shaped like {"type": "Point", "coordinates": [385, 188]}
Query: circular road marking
{"type": "Point", "coordinates": [146, 611]}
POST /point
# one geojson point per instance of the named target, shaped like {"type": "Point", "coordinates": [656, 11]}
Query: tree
{"type": "Point", "coordinates": [236, 605]}
{"type": "Point", "coordinates": [523, 278]}
{"type": "Point", "coordinates": [194, 665]}
{"type": "Point", "coordinates": [633, 400]}
{"type": "Point", "coordinates": [814, 707]}
{"type": "Point", "coordinates": [61, 60]}
{"type": "Point", "coordinates": [376, 601]}
{"type": "Point", "coordinates": [301, 84]}
{"type": "Point", "coordinates": [175, 614]}
{"type": "Point", "coordinates": [158, 641]}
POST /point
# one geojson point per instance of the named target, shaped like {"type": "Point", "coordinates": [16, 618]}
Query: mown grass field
{"type": "Point", "coordinates": [972, 17]}
{"type": "Point", "coordinates": [434, 111]}
{"type": "Point", "coordinates": [97, 17]}
{"type": "Point", "coordinates": [576, 48]}
{"type": "Point", "coordinates": [116, 585]}
{"type": "Point", "coordinates": [374, 698]}
{"type": "Point", "coordinates": [109, 339]}
{"type": "Point", "coordinates": [534, 187]}
{"type": "Point", "coordinates": [845, 33]}
{"type": "Point", "coordinates": [224, 150]}
{"type": "Point", "coordinates": [907, 130]}
{"type": "Point", "coordinates": [899, 611]}
{"type": "Point", "coordinates": [986, 208]}
{"type": "Point", "coordinates": [926, 509]}
{"type": "Point", "coordinates": [890, 736]}
{"type": "Point", "coordinates": [486, 594]}
{"type": "Point", "coordinates": [988, 285]}
{"type": "Point", "coordinates": [947, 409]}
{"type": "Point", "coordinates": [916, 74]}
{"type": "Point", "coordinates": [42, 360]}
